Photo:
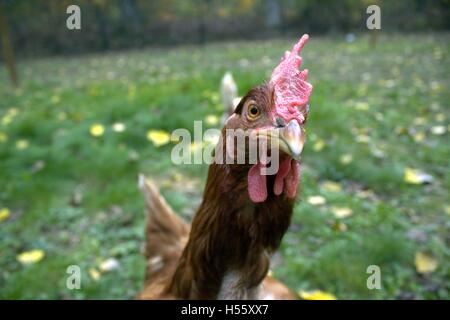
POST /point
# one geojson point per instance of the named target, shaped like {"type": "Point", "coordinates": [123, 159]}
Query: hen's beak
{"type": "Point", "coordinates": [290, 139]}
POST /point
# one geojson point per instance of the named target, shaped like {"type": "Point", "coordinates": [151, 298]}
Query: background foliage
{"type": "Point", "coordinates": [37, 26]}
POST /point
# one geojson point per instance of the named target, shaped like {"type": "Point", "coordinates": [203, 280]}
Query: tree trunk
{"type": "Point", "coordinates": [8, 53]}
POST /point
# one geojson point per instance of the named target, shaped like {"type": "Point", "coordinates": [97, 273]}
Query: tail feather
{"type": "Point", "coordinates": [229, 93]}
{"type": "Point", "coordinates": [166, 233]}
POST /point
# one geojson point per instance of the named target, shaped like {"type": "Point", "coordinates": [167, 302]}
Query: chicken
{"type": "Point", "coordinates": [246, 208]}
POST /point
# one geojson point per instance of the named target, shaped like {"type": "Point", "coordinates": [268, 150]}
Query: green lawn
{"type": "Point", "coordinates": [374, 113]}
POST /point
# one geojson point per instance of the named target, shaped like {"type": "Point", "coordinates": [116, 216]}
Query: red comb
{"type": "Point", "coordinates": [291, 90]}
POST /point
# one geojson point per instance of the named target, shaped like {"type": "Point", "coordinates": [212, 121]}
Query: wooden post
{"type": "Point", "coordinates": [8, 53]}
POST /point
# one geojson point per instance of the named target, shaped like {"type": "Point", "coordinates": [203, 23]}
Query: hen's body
{"type": "Point", "coordinates": [226, 260]}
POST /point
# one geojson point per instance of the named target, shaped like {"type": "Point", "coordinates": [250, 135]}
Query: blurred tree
{"type": "Point", "coordinates": [8, 52]}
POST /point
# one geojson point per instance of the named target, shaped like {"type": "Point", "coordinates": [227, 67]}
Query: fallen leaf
{"type": "Point", "coordinates": [425, 263]}
{"type": "Point", "coordinates": [342, 212]}
{"type": "Point", "coordinates": [212, 120]}
{"type": "Point", "coordinates": [118, 127]}
{"type": "Point", "coordinates": [4, 214]}
{"type": "Point", "coordinates": [94, 274]}
{"type": "Point", "coordinates": [22, 144]}
{"type": "Point", "coordinates": [316, 200]}
{"type": "Point", "coordinates": [447, 210]}
{"type": "Point", "coordinates": [3, 137]}
{"type": "Point", "coordinates": [414, 176]}
{"type": "Point", "coordinates": [318, 145]}
{"type": "Point", "coordinates": [316, 295]}
{"type": "Point", "coordinates": [362, 106]}
{"type": "Point", "coordinates": [109, 265]}
{"type": "Point", "coordinates": [158, 137]}
{"type": "Point", "coordinates": [419, 136]}
{"type": "Point", "coordinates": [362, 138]}
{"type": "Point", "coordinates": [438, 130]}
{"type": "Point", "coordinates": [419, 121]}
{"type": "Point", "coordinates": [339, 226]}
{"type": "Point", "coordinates": [346, 159]}
{"type": "Point", "coordinates": [331, 186]}
{"type": "Point", "coordinates": [440, 117]}
{"type": "Point", "coordinates": [30, 257]}
{"type": "Point", "coordinates": [97, 130]}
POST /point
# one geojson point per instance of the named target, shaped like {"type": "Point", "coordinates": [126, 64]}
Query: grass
{"type": "Point", "coordinates": [74, 196]}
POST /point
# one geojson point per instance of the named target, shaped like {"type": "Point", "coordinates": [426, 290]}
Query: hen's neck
{"type": "Point", "coordinates": [231, 238]}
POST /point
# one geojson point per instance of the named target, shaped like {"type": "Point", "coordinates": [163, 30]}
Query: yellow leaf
{"type": "Point", "coordinates": [331, 186]}
{"type": "Point", "coordinates": [3, 137]}
{"type": "Point", "coordinates": [97, 130]}
{"type": "Point", "coordinates": [438, 130]}
{"type": "Point", "coordinates": [30, 257]}
{"type": "Point", "coordinates": [362, 106]}
{"type": "Point", "coordinates": [346, 159]}
{"type": "Point", "coordinates": [55, 99]}
{"type": "Point", "coordinates": [419, 136]}
{"type": "Point", "coordinates": [4, 214]}
{"type": "Point", "coordinates": [440, 117]}
{"type": "Point", "coordinates": [109, 265]}
{"type": "Point", "coordinates": [318, 145]}
{"type": "Point", "coordinates": [414, 176]}
{"type": "Point", "coordinates": [212, 120]}
{"type": "Point", "coordinates": [419, 121]}
{"type": "Point", "coordinates": [195, 146]}
{"type": "Point", "coordinates": [342, 212]}
{"type": "Point", "coordinates": [119, 127]}
{"type": "Point", "coordinates": [425, 263]}
{"type": "Point", "coordinates": [362, 138]}
{"type": "Point", "coordinates": [94, 274]}
{"type": "Point", "coordinates": [158, 137]}
{"type": "Point", "coordinates": [316, 295]}
{"type": "Point", "coordinates": [316, 200]}
{"type": "Point", "coordinates": [22, 144]}
{"type": "Point", "coordinates": [365, 194]}
{"type": "Point", "coordinates": [447, 210]}
{"type": "Point", "coordinates": [339, 226]}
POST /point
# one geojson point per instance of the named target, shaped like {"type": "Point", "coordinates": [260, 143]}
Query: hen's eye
{"type": "Point", "coordinates": [253, 111]}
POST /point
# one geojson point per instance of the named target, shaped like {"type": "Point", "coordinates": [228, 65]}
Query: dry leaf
{"type": "Point", "coordinates": [438, 130]}
{"type": "Point", "coordinates": [22, 144]}
{"type": "Point", "coordinates": [346, 159]}
{"type": "Point", "coordinates": [97, 130]}
{"type": "Point", "coordinates": [318, 145]}
{"type": "Point", "coordinates": [316, 200]}
{"type": "Point", "coordinates": [342, 212]}
{"type": "Point", "coordinates": [447, 210]}
{"type": "Point", "coordinates": [94, 274]}
{"type": "Point", "coordinates": [212, 120]}
{"type": "Point", "coordinates": [331, 186]}
{"type": "Point", "coordinates": [339, 226]}
{"type": "Point", "coordinates": [109, 265]}
{"type": "Point", "coordinates": [362, 138]}
{"type": "Point", "coordinates": [3, 137]}
{"type": "Point", "coordinates": [414, 176]}
{"type": "Point", "coordinates": [425, 263]}
{"type": "Point", "coordinates": [30, 257]}
{"type": "Point", "coordinates": [419, 136]}
{"type": "Point", "coordinates": [362, 106]}
{"type": "Point", "coordinates": [316, 295]}
{"type": "Point", "coordinates": [119, 127]}
{"type": "Point", "coordinates": [440, 117]}
{"type": "Point", "coordinates": [4, 214]}
{"type": "Point", "coordinates": [158, 137]}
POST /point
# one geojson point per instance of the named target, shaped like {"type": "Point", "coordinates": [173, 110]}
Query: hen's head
{"type": "Point", "coordinates": [276, 112]}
